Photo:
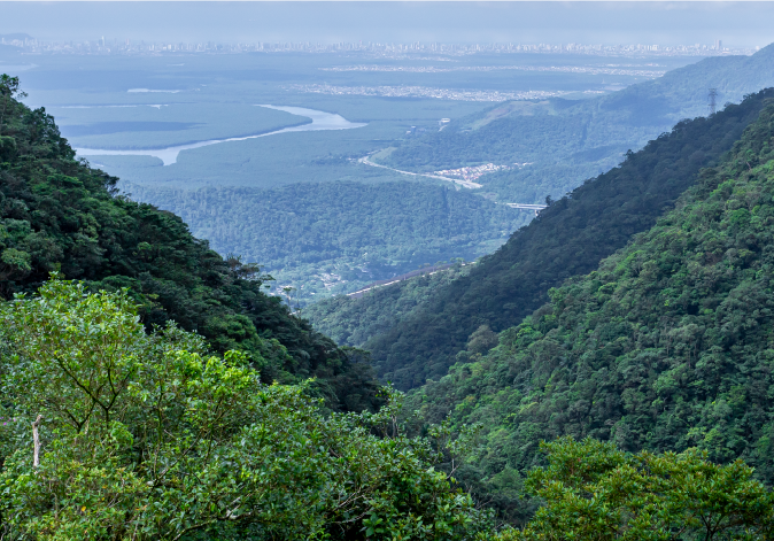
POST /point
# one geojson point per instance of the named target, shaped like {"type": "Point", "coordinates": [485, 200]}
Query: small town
{"type": "Point", "coordinates": [476, 172]}
{"type": "Point", "coordinates": [472, 173]}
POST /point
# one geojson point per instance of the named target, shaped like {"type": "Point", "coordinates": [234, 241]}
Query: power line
{"type": "Point", "coordinates": [713, 94]}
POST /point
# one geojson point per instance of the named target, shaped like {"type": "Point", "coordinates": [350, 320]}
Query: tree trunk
{"type": "Point", "coordinates": [36, 442]}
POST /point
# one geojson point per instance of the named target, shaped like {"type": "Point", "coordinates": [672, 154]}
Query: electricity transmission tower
{"type": "Point", "coordinates": [713, 94]}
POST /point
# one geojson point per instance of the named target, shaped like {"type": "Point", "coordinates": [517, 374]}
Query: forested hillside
{"type": "Point", "coordinates": [340, 236]}
{"type": "Point", "coordinates": [568, 141]}
{"type": "Point", "coordinates": [668, 345]}
{"type": "Point", "coordinates": [57, 214]}
{"type": "Point", "coordinates": [352, 321]}
{"type": "Point", "coordinates": [567, 239]}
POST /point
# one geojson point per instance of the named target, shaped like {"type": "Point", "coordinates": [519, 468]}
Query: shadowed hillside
{"type": "Point", "coordinates": [668, 345]}
{"type": "Point", "coordinates": [567, 239]}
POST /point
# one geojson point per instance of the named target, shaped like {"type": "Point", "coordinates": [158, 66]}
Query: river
{"type": "Point", "coordinates": [321, 121]}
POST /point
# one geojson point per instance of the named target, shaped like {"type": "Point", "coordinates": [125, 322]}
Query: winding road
{"type": "Point", "coordinates": [464, 183]}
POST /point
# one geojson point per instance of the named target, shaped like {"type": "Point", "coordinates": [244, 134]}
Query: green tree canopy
{"type": "Point", "coordinates": [149, 436]}
{"type": "Point", "coordinates": [593, 491]}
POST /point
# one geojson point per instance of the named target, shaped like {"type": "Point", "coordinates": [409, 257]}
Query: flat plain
{"type": "Point", "coordinates": [132, 103]}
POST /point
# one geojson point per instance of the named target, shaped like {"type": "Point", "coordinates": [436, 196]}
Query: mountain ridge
{"type": "Point", "coordinates": [667, 345]}
{"type": "Point", "coordinates": [554, 134]}
{"type": "Point", "coordinates": [568, 238]}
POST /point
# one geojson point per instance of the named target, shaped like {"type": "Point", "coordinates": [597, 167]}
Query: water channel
{"type": "Point", "coordinates": [321, 121]}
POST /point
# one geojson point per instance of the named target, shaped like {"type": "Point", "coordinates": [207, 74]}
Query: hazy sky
{"type": "Point", "coordinates": [736, 23]}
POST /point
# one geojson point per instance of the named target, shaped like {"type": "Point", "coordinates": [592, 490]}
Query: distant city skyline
{"type": "Point", "coordinates": [735, 24]}
{"type": "Point", "coordinates": [103, 46]}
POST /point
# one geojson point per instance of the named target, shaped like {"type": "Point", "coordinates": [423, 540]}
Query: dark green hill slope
{"type": "Point", "coordinates": [567, 239]}
{"type": "Point", "coordinates": [668, 345]}
{"type": "Point", "coordinates": [568, 141]}
{"type": "Point", "coordinates": [352, 321]}
{"type": "Point", "coordinates": [56, 214]}
{"type": "Point", "coordinates": [340, 236]}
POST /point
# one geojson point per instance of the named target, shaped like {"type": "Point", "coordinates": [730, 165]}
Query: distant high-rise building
{"type": "Point", "coordinates": [719, 45]}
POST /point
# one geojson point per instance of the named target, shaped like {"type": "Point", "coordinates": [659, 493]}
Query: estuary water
{"type": "Point", "coordinates": [321, 121]}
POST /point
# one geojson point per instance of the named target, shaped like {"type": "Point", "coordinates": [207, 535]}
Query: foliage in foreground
{"type": "Point", "coordinates": [593, 491]}
{"type": "Point", "coordinates": [149, 436]}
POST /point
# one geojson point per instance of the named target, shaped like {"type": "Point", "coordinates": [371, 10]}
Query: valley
{"type": "Point", "coordinates": [171, 136]}
{"type": "Point", "coordinates": [569, 238]}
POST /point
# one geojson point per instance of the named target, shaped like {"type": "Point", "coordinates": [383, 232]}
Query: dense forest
{"type": "Point", "coordinates": [146, 436]}
{"type": "Point", "coordinates": [667, 346]}
{"type": "Point", "coordinates": [57, 214]}
{"type": "Point", "coordinates": [352, 321]}
{"type": "Point", "coordinates": [568, 238]}
{"type": "Point", "coordinates": [568, 141]}
{"type": "Point", "coordinates": [339, 236]}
